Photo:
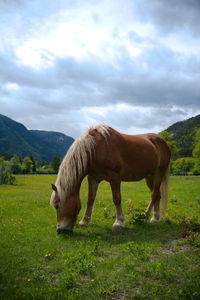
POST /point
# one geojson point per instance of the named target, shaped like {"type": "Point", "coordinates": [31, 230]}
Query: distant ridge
{"type": "Point", "coordinates": [183, 133]}
{"type": "Point", "coordinates": [15, 138]}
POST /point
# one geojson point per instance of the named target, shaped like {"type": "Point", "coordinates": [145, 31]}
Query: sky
{"type": "Point", "coordinates": [66, 65]}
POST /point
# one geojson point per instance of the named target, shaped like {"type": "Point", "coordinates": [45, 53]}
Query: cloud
{"type": "Point", "coordinates": [69, 65]}
{"type": "Point", "coordinates": [7, 3]}
{"type": "Point", "coordinates": [80, 94]}
{"type": "Point", "coordinates": [175, 14]}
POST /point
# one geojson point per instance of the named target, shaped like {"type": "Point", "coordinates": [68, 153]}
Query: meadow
{"type": "Point", "coordinates": [141, 261]}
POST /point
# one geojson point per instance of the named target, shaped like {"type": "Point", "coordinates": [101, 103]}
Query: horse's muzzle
{"type": "Point", "coordinates": [65, 230]}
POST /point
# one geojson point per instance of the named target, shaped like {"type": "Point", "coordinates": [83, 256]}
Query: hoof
{"type": "Point", "coordinates": [118, 225]}
{"type": "Point", "coordinates": [83, 222]}
{"type": "Point", "coordinates": [153, 220]}
{"type": "Point", "coordinates": [64, 231]}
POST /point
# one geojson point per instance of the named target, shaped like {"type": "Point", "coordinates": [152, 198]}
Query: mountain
{"type": "Point", "coordinates": [183, 133]}
{"type": "Point", "coordinates": [15, 138]}
{"type": "Point", "coordinates": [56, 141]}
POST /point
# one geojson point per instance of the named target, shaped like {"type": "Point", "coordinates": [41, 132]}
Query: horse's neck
{"type": "Point", "coordinates": [73, 190]}
{"type": "Point", "coordinates": [76, 188]}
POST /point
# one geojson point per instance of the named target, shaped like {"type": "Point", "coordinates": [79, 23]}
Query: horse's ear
{"type": "Point", "coordinates": [54, 187]}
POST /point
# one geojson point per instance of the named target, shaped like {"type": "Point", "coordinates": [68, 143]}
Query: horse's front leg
{"type": "Point", "coordinates": [115, 186]}
{"type": "Point", "coordinates": [92, 190]}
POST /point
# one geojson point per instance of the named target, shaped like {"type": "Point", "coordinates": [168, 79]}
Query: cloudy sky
{"type": "Point", "coordinates": [68, 64]}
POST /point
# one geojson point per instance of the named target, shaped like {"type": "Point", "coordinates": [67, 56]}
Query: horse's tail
{"type": "Point", "coordinates": [164, 190]}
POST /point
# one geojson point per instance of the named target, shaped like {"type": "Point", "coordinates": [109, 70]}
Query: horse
{"type": "Point", "coordinates": [103, 153]}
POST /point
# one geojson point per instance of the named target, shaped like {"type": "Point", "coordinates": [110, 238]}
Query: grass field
{"type": "Point", "coordinates": [142, 261]}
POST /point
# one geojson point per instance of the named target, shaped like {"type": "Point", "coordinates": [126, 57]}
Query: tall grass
{"type": "Point", "coordinates": [142, 261]}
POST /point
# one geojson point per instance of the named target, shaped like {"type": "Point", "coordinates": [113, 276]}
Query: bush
{"type": "Point", "coordinates": [196, 169]}
{"type": "Point", "coordinates": [183, 166]}
{"type": "Point", "coordinates": [6, 176]}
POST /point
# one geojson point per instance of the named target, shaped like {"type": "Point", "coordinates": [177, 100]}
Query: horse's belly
{"type": "Point", "coordinates": [132, 176]}
{"type": "Point", "coordinates": [136, 173]}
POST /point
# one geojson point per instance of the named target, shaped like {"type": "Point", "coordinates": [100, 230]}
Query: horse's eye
{"type": "Point", "coordinates": [56, 206]}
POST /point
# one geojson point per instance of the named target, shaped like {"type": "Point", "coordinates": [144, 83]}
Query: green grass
{"type": "Point", "coordinates": [142, 261]}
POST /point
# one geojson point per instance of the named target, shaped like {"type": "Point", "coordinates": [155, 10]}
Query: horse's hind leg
{"type": "Point", "coordinates": [92, 189]}
{"type": "Point", "coordinates": [149, 181]}
{"type": "Point", "coordinates": [154, 185]}
{"type": "Point", "coordinates": [156, 201]}
{"type": "Point", "coordinates": [115, 186]}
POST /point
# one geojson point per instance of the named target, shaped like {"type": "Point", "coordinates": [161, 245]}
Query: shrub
{"type": "Point", "coordinates": [183, 166]}
{"type": "Point", "coordinates": [6, 176]}
{"type": "Point", "coordinates": [196, 169]}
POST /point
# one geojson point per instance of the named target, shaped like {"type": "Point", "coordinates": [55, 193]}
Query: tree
{"type": "Point", "coordinates": [27, 164]}
{"type": "Point", "coordinates": [183, 166]}
{"type": "Point", "coordinates": [33, 164]}
{"type": "Point", "coordinates": [196, 152]}
{"type": "Point", "coordinates": [56, 164]}
{"type": "Point", "coordinates": [15, 164]}
{"type": "Point", "coordinates": [6, 176]}
{"type": "Point", "coordinates": [170, 141]}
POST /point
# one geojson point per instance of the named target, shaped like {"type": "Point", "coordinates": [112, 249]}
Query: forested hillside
{"type": "Point", "coordinates": [15, 138]}
{"type": "Point", "coordinates": [183, 134]}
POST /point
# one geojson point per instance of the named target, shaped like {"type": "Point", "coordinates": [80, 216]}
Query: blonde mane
{"type": "Point", "coordinates": [75, 161]}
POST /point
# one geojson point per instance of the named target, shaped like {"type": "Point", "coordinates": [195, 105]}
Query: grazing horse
{"type": "Point", "coordinates": [103, 153]}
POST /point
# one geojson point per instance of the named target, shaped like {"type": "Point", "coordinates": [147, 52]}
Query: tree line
{"type": "Point", "coordinates": [27, 165]}
{"type": "Point", "coordinates": [184, 165]}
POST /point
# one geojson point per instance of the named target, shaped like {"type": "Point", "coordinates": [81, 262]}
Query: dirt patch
{"type": "Point", "coordinates": [175, 249]}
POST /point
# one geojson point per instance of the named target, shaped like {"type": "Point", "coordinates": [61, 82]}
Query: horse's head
{"type": "Point", "coordinates": [67, 209]}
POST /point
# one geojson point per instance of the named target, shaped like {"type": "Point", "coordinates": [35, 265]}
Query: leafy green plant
{"type": "Point", "coordinates": [138, 217]}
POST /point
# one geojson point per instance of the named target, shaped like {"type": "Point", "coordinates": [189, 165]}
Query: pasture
{"type": "Point", "coordinates": [141, 261]}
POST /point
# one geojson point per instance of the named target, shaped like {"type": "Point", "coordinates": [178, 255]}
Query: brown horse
{"type": "Point", "coordinates": [103, 153]}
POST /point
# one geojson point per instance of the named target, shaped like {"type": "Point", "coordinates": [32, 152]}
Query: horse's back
{"type": "Point", "coordinates": [130, 157]}
{"type": "Point", "coordinates": [144, 153]}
